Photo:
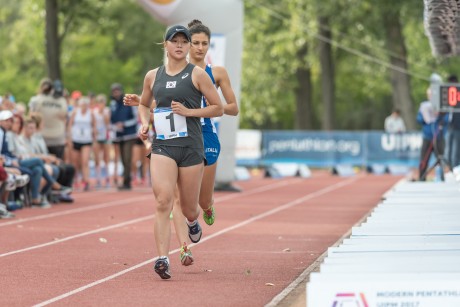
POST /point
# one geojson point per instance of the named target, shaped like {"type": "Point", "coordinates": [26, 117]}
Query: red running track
{"type": "Point", "coordinates": [100, 250]}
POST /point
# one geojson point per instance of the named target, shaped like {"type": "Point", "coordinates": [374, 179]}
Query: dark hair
{"type": "Point", "coordinates": [36, 119]}
{"type": "Point", "coordinates": [21, 121]}
{"type": "Point", "coordinates": [116, 86]}
{"type": "Point", "coordinates": [46, 85]}
{"type": "Point", "coordinates": [196, 26]}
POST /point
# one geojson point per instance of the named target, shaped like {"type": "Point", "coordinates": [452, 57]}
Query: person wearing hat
{"type": "Point", "coordinates": [51, 106]}
{"type": "Point", "coordinates": [124, 122]}
{"type": "Point", "coordinates": [45, 88]}
{"type": "Point", "coordinates": [174, 90]}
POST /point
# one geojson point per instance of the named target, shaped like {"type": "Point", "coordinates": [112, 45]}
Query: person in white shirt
{"type": "Point", "coordinates": [82, 131]}
{"type": "Point", "coordinates": [394, 123]}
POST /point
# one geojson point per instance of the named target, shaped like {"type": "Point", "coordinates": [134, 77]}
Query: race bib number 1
{"type": "Point", "coordinates": [169, 125]}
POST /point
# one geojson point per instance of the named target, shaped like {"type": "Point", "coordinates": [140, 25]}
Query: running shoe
{"type": "Point", "coordinates": [186, 257]}
{"type": "Point", "coordinates": [62, 189]}
{"type": "Point", "coordinates": [209, 216]}
{"type": "Point", "coordinates": [162, 268]}
{"type": "Point", "coordinates": [194, 232]}
{"type": "Point", "coordinates": [4, 213]}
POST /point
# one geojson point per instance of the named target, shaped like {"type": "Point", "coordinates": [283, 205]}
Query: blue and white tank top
{"type": "Point", "coordinates": [207, 124]}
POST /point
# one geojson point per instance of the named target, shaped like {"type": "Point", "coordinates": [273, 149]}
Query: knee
{"type": "Point", "coordinates": [164, 203]}
{"type": "Point", "coordinates": [191, 213]}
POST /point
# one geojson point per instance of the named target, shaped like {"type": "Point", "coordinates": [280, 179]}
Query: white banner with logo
{"type": "Point", "coordinates": [385, 290]}
{"type": "Point", "coordinates": [405, 254]}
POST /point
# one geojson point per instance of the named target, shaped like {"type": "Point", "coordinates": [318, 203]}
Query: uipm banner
{"type": "Point", "coordinates": [384, 293]}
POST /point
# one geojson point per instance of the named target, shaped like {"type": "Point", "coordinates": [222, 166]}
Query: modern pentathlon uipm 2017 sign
{"type": "Point", "coordinates": [409, 291]}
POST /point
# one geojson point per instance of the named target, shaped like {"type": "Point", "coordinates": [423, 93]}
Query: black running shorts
{"type": "Point", "coordinates": [184, 156]}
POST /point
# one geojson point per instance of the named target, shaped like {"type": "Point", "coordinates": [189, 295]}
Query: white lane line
{"type": "Point", "coordinates": [257, 190]}
{"type": "Point", "coordinates": [124, 201]}
{"type": "Point", "coordinates": [223, 231]}
{"type": "Point", "coordinates": [129, 201]}
{"type": "Point", "coordinates": [87, 233]}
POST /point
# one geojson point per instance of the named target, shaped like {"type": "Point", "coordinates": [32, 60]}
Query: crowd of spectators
{"type": "Point", "coordinates": [60, 142]}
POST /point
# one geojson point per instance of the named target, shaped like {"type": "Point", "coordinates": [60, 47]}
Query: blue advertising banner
{"type": "Point", "coordinates": [328, 149]}
{"type": "Point", "coordinates": [384, 148]}
{"type": "Point", "coordinates": [312, 148]}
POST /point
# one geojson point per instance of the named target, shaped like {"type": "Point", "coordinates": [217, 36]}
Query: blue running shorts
{"type": "Point", "coordinates": [211, 147]}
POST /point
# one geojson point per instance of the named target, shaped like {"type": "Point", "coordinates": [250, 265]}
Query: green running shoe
{"type": "Point", "coordinates": [209, 215]}
{"type": "Point", "coordinates": [186, 257]}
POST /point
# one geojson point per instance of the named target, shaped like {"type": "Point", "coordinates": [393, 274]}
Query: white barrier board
{"type": "Point", "coordinates": [384, 293]}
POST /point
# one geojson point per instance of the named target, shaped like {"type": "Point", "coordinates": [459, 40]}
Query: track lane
{"type": "Point", "coordinates": [93, 260]}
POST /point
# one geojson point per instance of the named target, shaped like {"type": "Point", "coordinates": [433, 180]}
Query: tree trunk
{"type": "Point", "coordinates": [327, 75]}
{"type": "Point", "coordinates": [303, 92]}
{"type": "Point", "coordinates": [52, 40]}
{"type": "Point", "coordinates": [400, 81]}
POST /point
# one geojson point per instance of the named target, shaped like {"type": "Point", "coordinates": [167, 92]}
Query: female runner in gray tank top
{"type": "Point", "coordinates": [174, 91]}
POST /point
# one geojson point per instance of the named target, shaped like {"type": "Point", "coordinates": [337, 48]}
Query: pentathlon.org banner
{"type": "Point", "coordinates": [327, 149]}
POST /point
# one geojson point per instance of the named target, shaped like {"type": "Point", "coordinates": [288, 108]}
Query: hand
{"type": "Point", "coordinates": [179, 108]}
{"type": "Point", "coordinates": [143, 132]}
{"type": "Point", "coordinates": [131, 100]}
{"type": "Point", "coordinates": [119, 126]}
{"type": "Point", "coordinates": [148, 144]}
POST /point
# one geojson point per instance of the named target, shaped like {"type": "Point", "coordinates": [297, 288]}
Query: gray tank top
{"type": "Point", "coordinates": [179, 88]}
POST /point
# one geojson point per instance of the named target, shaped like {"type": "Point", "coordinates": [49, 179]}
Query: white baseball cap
{"type": "Point", "coordinates": [6, 114]}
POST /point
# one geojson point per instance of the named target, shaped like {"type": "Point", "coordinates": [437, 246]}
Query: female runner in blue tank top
{"type": "Point", "coordinates": [174, 90]}
{"type": "Point", "coordinates": [201, 36]}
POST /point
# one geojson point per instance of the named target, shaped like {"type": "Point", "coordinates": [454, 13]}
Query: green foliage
{"type": "Point", "coordinates": [269, 61]}
{"type": "Point", "coordinates": [274, 30]}
{"type": "Point", "coordinates": [22, 55]}
{"type": "Point", "coordinates": [106, 41]}
{"type": "Point", "coordinates": [102, 42]}
{"type": "Point", "coordinates": [91, 66]}
{"type": "Point", "coordinates": [112, 47]}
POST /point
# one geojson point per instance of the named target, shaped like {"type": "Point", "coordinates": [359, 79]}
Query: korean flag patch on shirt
{"type": "Point", "coordinates": [171, 84]}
